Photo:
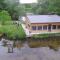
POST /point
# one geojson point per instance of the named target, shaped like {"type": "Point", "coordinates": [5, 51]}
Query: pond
{"type": "Point", "coordinates": [40, 52]}
{"type": "Point", "coordinates": [27, 53]}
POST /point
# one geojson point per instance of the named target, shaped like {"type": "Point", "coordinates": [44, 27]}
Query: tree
{"type": "Point", "coordinates": [14, 8]}
{"type": "Point", "coordinates": [54, 6]}
{"type": "Point", "coordinates": [19, 11]}
{"type": "Point", "coordinates": [47, 7]}
{"type": "Point", "coordinates": [4, 16]}
{"type": "Point", "coordinates": [2, 5]}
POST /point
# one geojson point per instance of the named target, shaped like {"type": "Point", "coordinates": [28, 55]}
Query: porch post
{"type": "Point", "coordinates": [51, 27]}
{"type": "Point", "coordinates": [47, 27]}
{"type": "Point", "coordinates": [36, 27]}
{"type": "Point", "coordinates": [56, 27]}
{"type": "Point", "coordinates": [42, 27]}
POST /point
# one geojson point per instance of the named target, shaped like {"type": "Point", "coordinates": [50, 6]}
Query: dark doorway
{"type": "Point", "coordinates": [49, 27]}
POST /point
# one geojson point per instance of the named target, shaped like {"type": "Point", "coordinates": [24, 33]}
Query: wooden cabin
{"type": "Point", "coordinates": [38, 24]}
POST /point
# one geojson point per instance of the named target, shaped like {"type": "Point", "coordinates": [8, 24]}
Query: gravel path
{"type": "Point", "coordinates": [26, 53]}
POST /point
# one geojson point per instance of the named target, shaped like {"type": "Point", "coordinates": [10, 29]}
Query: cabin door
{"type": "Point", "coordinates": [49, 27]}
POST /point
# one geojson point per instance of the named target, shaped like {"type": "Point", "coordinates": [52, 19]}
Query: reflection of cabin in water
{"type": "Point", "coordinates": [43, 23]}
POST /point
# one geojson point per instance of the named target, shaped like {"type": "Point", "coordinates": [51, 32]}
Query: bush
{"type": "Point", "coordinates": [4, 16]}
{"type": "Point", "coordinates": [38, 36]}
{"type": "Point", "coordinates": [13, 32]}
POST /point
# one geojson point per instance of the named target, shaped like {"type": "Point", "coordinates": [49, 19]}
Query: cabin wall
{"type": "Point", "coordinates": [27, 23]}
{"type": "Point", "coordinates": [44, 31]}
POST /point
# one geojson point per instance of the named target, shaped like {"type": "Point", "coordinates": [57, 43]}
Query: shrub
{"type": "Point", "coordinates": [38, 36]}
{"type": "Point", "coordinates": [13, 32]}
{"type": "Point", "coordinates": [4, 16]}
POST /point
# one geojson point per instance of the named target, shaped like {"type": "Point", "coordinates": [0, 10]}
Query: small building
{"type": "Point", "coordinates": [40, 24]}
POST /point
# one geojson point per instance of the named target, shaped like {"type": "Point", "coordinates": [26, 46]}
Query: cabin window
{"type": "Point", "coordinates": [33, 27]}
{"type": "Point", "coordinates": [58, 27]}
{"type": "Point", "coordinates": [39, 27]}
{"type": "Point", "coordinates": [44, 27]}
{"type": "Point", "coordinates": [54, 27]}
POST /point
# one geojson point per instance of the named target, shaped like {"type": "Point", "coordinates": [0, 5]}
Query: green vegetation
{"type": "Point", "coordinates": [12, 32]}
{"type": "Point", "coordinates": [4, 16]}
{"type": "Point", "coordinates": [16, 9]}
{"type": "Point", "coordinates": [9, 29]}
{"type": "Point", "coordinates": [46, 7]}
{"type": "Point", "coordinates": [45, 40]}
{"type": "Point", "coordinates": [47, 35]}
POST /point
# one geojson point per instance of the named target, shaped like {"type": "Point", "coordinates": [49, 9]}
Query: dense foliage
{"type": "Point", "coordinates": [12, 32]}
{"type": "Point", "coordinates": [47, 35]}
{"type": "Point", "coordinates": [14, 8]}
{"type": "Point", "coordinates": [4, 16]}
{"type": "Point", "coordinates": [47, 7]}
{"type": "Point", "coordinates": [10, 29]}
{"type": "Point", "coordinates": [44, 7]}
